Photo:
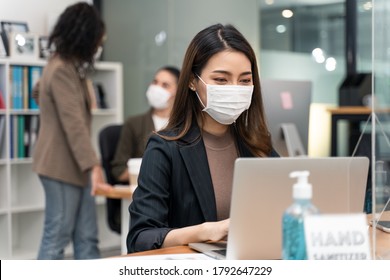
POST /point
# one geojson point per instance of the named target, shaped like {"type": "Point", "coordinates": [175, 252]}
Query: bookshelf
{"type": "Point", "coordinates": [21, 193]}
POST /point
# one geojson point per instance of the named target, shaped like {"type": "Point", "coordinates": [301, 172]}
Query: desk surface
{"type": "Point", "coordinates": [164, 251]}
{"type": "Point", "coordinates": [118, 191]}
{"type": "Point", "coordinates": [382, 245]}
{"type": "Point", "coordinates": [346, 110]}
{"type": "Point", "coordinates": [382, 238]}
{"type": "Point", "coordinates": [355, 110]}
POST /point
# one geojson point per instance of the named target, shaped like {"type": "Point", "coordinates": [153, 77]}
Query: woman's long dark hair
{"type": "Point", "coordinates": [78, 33]}
{"type": "Point", "coordinates": [251, 126]}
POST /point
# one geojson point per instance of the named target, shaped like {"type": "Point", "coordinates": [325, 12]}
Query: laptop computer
{"type": "Point", "coordinates": [262, 191]}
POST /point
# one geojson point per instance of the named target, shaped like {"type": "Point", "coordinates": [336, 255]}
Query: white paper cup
{"type": "Point", "coordinates": [134, 165]}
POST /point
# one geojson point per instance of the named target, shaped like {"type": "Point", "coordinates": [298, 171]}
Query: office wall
{"type": "Point", "coordinates": [132, 26]}
{"type": "Point", "coordinates": [325, 84]}
{"type": "Point", "coordinates": [301, 66]}
{"type": "Point", "coordinates": [39, 14]}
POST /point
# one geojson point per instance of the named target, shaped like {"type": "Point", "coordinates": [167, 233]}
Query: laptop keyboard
{"type": "Point", "coordinates": [220, 252]}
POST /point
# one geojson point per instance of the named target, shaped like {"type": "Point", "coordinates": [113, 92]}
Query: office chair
{"type": "Point", "coordinates": [108, 140]}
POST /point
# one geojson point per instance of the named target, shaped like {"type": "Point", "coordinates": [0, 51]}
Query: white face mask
{"type": "Point", "coordinates": [158, 97]}
{"type": "Point", "coordinates": [225, 103]}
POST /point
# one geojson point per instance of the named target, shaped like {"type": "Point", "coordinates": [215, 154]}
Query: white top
{"type": "Point", "coordinates": [159, 122]}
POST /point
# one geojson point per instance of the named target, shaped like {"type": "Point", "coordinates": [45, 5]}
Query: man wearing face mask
{"type": "Point", "coordinates": [137, 129]}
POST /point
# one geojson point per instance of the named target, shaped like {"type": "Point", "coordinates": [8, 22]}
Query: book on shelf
{"type": "Point", "coordinates": [2, 100]}
{"type": "Point", "coordinates": [23, 80]}
{"type": "Point", "coordinates": [33, 130]}
{"type": "Point", "coordinates": [35, 73]}
{"type": "Point", "coordinates": [20, 136]}
{"type": "Point", "coordinates": [26, 136]}
{"type": "Point", "coordinates": [16, 99]}
{"type": "Point", "coordinates": [23, 135]}
{"type": "Point", "coordinates": [13, 137]}
{"type": "Point", "coordinates": [25, 87]}
{"type": "Point", "coordinates": [2, 137]}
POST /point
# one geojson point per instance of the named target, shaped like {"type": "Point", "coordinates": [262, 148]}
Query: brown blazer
{"type": "Point", "coordinates": [64, 150]}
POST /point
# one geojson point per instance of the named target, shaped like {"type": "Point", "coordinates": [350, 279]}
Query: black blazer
{"type": "Point", "coordinates": [174, 190]}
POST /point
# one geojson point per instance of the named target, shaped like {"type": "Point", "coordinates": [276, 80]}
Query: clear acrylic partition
{"type": "Point", "coordinates": [379, 125]}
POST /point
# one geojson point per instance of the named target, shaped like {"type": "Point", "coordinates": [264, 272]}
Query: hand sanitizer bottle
{"type": "Point", "coordinates": [294, 247]}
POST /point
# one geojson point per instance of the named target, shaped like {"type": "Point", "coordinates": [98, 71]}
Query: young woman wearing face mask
{"type": "Point", "coordinates": [185, 181]}
{"type": "Point", "coordinates": [137, 129]}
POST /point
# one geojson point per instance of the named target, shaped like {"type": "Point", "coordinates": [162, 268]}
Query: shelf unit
{"type": "Point", "coordinates": [21, 193]}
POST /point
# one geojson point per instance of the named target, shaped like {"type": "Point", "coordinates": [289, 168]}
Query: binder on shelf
{"type": "Point", "coordinates": [23, 80]}
{"type": "Point", "coordinates": [13, 137]}
{"type": "Point", "coordinates": [23, 135]}
{"type": "Point", "coordinates": [33, 133]}
{"type": "Point", "coordinates": [34, 75]}
{"type": "Point", "coordinates": [2, 137]}
{"type": "Point", "coordinates": [2, 100]}
{"type": "Point", "coordinates": [20, 136]}
{"type": "Point", "coordinates": [17, 88]}
{"type": "Point", "coordinates": [25, 87]}
{"type": "Point", "coordinates": [27, 137]}
{"type": "Point", "coordinates": [11, 134]}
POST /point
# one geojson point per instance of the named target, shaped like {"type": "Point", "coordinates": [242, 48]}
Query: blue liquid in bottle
{"type": "Point", "coordinates": [294, 246]}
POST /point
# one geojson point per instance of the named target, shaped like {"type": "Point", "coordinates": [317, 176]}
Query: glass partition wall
{"type": "Point", "coordinates": [377, 127]}
{"type": "Point", "coordinates": [380, 118]}
{"type": "Point", "coordinates": [293, 37]}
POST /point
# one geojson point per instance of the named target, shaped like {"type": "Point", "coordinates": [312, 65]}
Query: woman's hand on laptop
{"type": "Point", "coordinates": [216, 231]}
{"type": "Point", "coordinates": [205, 232]}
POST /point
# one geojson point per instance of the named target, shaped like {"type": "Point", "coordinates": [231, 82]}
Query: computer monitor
{"type": "Point", "coordinates": [287, 109]}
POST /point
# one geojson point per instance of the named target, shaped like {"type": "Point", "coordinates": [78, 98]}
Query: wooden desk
{"type": "Point", "coordinates": [125, 193]}
{"type": "Point", "coordinates": [382, 238]}
{"type": "Point", "coordinates": [382, 245]}
{"type": "Point", "coordinates": [119, 192]}
{"type": "Point", "coordinates": [164, 251]}
{"type": "Point", "coordinates": [382, 248]}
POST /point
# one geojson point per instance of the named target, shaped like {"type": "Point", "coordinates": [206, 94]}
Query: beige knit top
{"type": "Point", "coordinates": [221, 154]}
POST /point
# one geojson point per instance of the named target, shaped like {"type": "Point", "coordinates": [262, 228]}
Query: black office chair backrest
{"type": "Point", "coordinates": [108, 140]}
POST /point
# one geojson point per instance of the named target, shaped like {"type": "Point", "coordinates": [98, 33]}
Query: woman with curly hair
{"type": "Point", "coordinates": [64, 157]}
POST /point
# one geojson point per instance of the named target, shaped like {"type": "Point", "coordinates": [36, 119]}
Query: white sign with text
{"type": "Point", "coordinates": [337, 237]}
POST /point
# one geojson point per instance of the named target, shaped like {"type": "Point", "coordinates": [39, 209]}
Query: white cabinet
{"type": "Point", "coordinates": [21, 194]}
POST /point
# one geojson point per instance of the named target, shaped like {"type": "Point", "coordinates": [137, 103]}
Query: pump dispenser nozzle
{"type": "Point", "coordinates": [301, 189]}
